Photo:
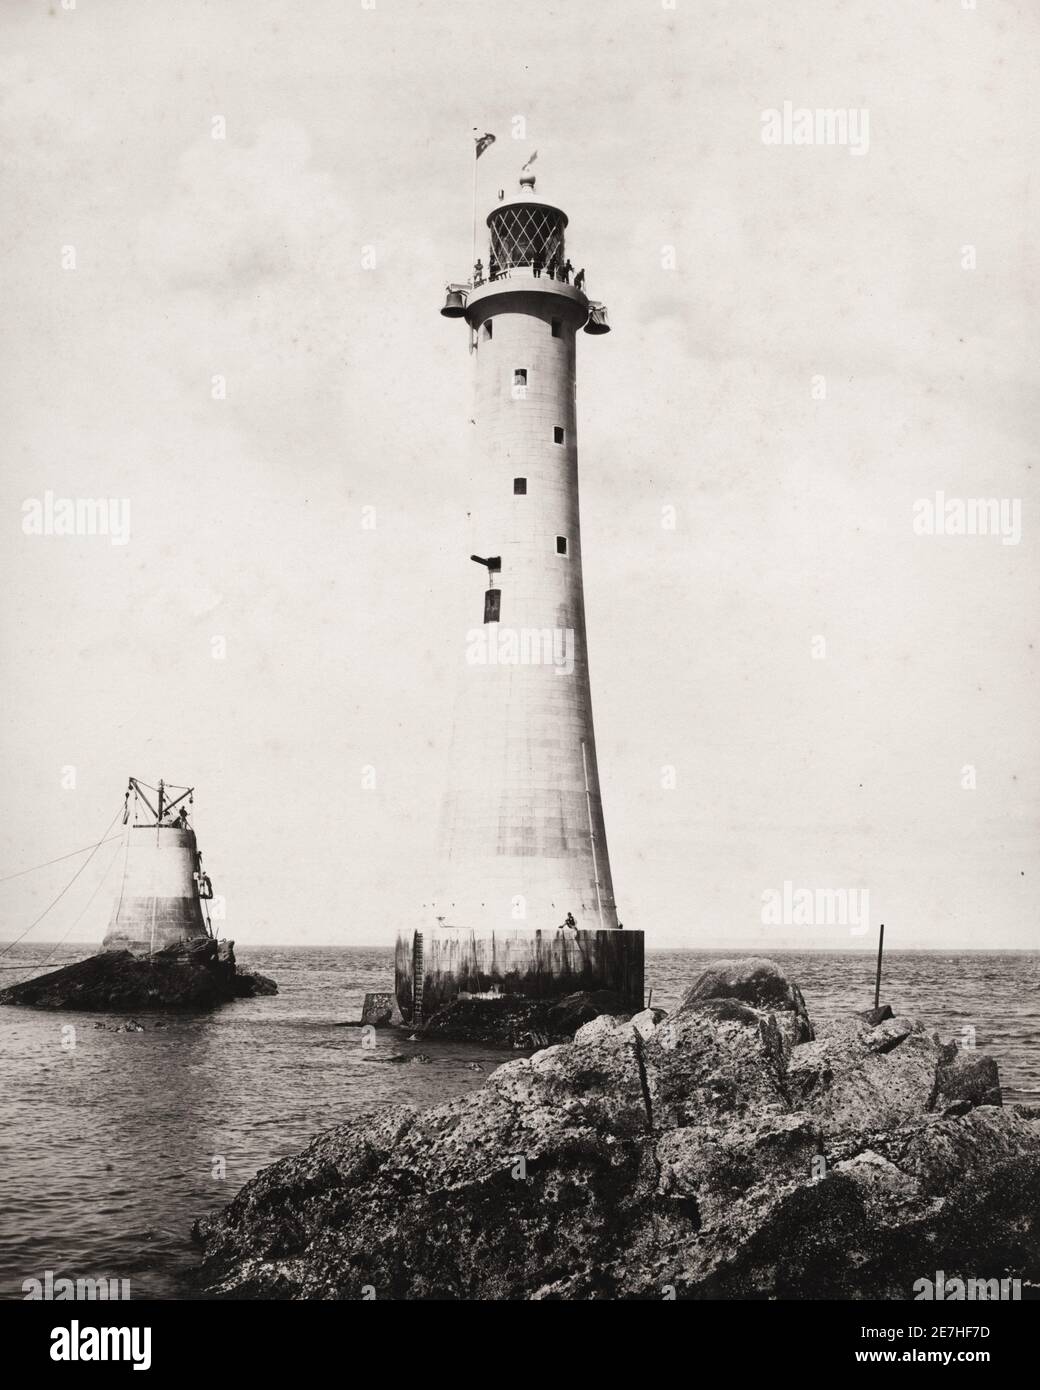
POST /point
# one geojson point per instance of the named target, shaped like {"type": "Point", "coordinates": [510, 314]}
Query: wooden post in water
{"type": "Point", "coordinates": [877, 982]}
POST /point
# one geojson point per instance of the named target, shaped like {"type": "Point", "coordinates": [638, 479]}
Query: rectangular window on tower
{"type": "Point", "coordinates": [561, 545]}
{"type": "Point", "coordinates": [558, 434]}
{"type": "Point", "coordinates": [519, 487]}
{"type": "Point", "coordinates": [519, 383]}
{"type": "Point", "coordinates": [557, 328]}
{"type": "Point", "coordinates": [489, 329]}
{"type": "Point", "coordinates": [492, 605]}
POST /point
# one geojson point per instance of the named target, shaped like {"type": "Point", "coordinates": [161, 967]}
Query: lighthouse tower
{"type": "Point", "coordinates": [527, 903]}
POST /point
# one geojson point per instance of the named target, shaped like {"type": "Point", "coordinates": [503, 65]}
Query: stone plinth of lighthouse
{"type": "Point", "coordinates": [527, 904]}
{"type": "Point", "coordinates": [159, 901]}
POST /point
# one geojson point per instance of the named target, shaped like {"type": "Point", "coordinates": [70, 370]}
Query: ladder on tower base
{"type": "Point", "coordinates": [417, 978]}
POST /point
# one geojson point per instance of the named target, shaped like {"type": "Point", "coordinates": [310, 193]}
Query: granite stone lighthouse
{"type": "Point", "coordinates": [527, 905]}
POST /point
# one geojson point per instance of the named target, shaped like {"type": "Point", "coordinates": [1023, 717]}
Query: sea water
{"type": "Point", "coordinates": [112, 1144]}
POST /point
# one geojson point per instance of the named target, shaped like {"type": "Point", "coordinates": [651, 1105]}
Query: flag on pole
{"type": "Point", "coordinates": [529, 163]}
{"type": "Point", "coordinates": [483, 141]}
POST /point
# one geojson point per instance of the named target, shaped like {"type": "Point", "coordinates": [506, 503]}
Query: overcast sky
{"type": "Point", "coordinates": [348, 141]}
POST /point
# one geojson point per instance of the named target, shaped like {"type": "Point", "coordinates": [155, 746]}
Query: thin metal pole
{"type": "Point", "coordinates": [126, 866]}
{"type": "Point", "coordinates": [155, 860]}
{"type": "Point", "coordinates": [877, 982]}
{"type": "Point", "coordinates": [473, 260]}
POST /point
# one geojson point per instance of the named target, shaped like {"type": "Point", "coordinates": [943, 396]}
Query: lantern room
{"type": "Point", "coordinates": [527, 232]}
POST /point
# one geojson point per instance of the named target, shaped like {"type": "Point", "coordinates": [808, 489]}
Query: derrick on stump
{"type": "Point", "coordinates": [163, 887]}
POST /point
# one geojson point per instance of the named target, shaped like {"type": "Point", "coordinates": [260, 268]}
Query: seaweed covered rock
{"type": "Point", "coordinates": [518, 1022]}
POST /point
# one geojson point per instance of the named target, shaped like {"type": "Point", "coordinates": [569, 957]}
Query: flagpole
{"type": "Point", "coordinates": [480, 144]}
{"type": "Point", "coordinates": [473, 260]}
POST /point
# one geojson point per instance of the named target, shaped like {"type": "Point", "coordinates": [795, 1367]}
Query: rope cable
{"type": "Point", "coordinates": [48, 862]}
{"type": "Point", "coordinates": [54, 901]}
{"type": "Point", "coordinates": [35, 969]}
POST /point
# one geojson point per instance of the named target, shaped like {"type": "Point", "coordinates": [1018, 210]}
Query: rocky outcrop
{"type": "Point", "coordinates": [854, 1077]}
{"type": "Point", "coordinates": [186, 975]}
{"type": "Point", "coordinates": [706, 1154]}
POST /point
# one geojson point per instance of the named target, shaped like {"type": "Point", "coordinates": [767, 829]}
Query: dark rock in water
{"type": "Point", "coordinates": [517, 1022]}
{"type": "Point", "coordinates": [381, 1011]}
{"type": "Point", "coordinates": [186, 975]}
{"type": "Point", "coordinates": [699, 1154]}
{"type": "Point", "coordinates": [505, 1022]}
{"type": "Point", "coordinates": [250, 984]}
{"type": "Point", "coordinates": [567, 1015]}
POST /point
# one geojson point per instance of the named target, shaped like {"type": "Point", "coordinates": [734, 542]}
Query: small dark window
{"type": "Point", "coordinates": [489, 329]}
{"type": "Point", "coordinates": [557, 434]}
{"type": "Point", "coordinates": [492, 605]}
{"type": "Point", "coordinates": [519, 487]}
{"type": "Point", "coordinates": [557, 328]}
{"type": "Point", "coordinates": [561, 545]}
{"type": "Point", "coordinates": [520, 376]}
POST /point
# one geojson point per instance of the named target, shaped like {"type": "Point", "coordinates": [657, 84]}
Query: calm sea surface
{"type": "Point", "coordinates": [109, 1149]}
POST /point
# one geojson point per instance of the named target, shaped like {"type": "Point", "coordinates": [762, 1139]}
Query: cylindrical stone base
{"type": "Point", "coordinates": [158, 903]}
{"type": "Point", "coordinates": [520, 961]}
